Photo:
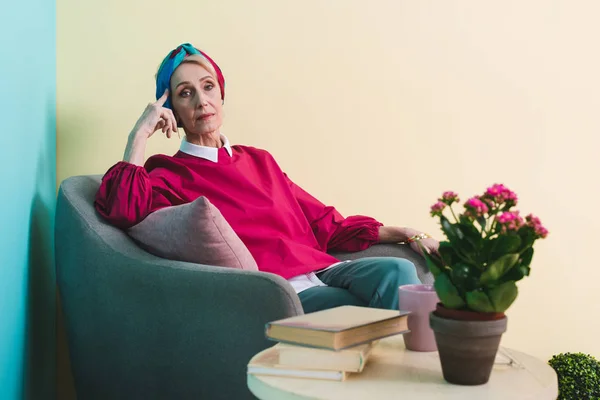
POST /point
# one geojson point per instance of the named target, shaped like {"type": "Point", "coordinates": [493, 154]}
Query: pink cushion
{"type": "Point", "coordinates": [195, 232]}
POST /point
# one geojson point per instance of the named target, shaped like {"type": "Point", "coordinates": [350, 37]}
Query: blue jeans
{"type": "Point", "coordinates": [367, 282]}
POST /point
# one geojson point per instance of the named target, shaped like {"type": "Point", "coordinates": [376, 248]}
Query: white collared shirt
{"type": "Point", "coordinates": [300, 282]}
{"type": "Point", "coordinates": [310, 279]}
{"type": "Point", "coordinates": [208, 153]}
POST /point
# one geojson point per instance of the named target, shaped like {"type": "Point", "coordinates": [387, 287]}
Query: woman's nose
{"type": "Point", "coordinates": [200, 100]}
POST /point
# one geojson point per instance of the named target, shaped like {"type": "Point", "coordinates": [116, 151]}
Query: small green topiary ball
{"type": "Point", "coordinates": [578, 376]}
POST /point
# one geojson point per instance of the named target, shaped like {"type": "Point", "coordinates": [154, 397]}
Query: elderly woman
{"type": "Point", "coordinates": [287, 231]}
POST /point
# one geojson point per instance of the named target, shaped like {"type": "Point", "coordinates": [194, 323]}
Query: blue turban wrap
{"type": "Point", "coordinates": [170, 64]}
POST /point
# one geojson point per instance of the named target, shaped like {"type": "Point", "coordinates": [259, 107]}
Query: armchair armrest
{"type": "Point", "coordinates": [145, 327]}
{"type": "Point", "coordinates": [142, 327]}
{"type": "Point", "coordinates": [392, 250]}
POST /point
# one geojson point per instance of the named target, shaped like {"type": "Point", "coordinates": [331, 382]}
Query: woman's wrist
{"type": "Point", "coordinates": [393, 234]}
{"type": "Point", "coordinates": [417, 238]}
{"type": "Point", "coordinates": [138, 136]}
{"type": "Point", "coordinates": [136, 148]}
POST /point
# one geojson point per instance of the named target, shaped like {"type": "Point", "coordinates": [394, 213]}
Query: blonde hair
{"type": "Point", "coordinates": [201, 61]}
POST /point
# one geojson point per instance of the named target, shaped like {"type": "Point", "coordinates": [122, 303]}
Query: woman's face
{"type": "Point", "coordinates": [196, 99]}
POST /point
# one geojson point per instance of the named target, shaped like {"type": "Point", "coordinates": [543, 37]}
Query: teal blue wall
{"type": "Point", "coordinates": [27, 199]}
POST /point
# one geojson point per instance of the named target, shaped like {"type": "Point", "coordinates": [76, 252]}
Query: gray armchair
{"type": "Point", "coordinates": [142, 327]}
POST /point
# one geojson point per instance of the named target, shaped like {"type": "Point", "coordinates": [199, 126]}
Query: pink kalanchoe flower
{"type": "Point", "coordinates": [494, 190]}
{"type": "Point", "coordinates": [501, 194]}
{"type": "Point", "coordinates": [541, 232]}
{"type": "Point", "coordinates": [437, 208]}
{"type": "Point", "coordinates": [509, 221]}
{"type": "Point", "coordinates": [449, 197]}
{"type": "Point", "coordinates": [488, 201]}
{"type": "Point", "coordinates": [535, 223]}
{"type": "Point", "coordinates": [475, 207]}
{"type": "Point", "coordinates": [507, 217]}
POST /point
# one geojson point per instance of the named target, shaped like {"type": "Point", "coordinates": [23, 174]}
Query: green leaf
{"type": "Point", "coordinates": [482, 222]}
{"type": "Point", "coordinates": [460, 274]}
{"type": "Point", "coordinates": [505, 244]}
{"type": "Point", "coordinates": [463, 219]}
{"type": "Point", "coordinates": [471, 233]}
{"type": "Point", "coordinates": [516, 274]}
{"type": "Point", "coordinates": [468, 229]}
{"type": "Point", "coordinates": [465, 277]}
{"type": "Point", "coordinates": [503, 296]}
{"type": "Point", "coordinates": [435, 266]}
{"type": "Point", "coordinates": [457, 238]}
{"type": "Point", "coordinates": [527, 238]}
{"type": "Point", "coordinates": [479, 301]}
{"type": "Point", "coordinates": [487, 248]}
{"type": "Point", "coordinates": [448, 253]}
{"type": "Point", "coordinates": [526, 257]}
{"type": "Point", "coordinates": [498, 268]}
{"type": "Point", "coordinates": [520, 270]}
{"type": "Point", "coordinates": [454, 235]}
{"type": "Point", "coordinates": [447, 292]}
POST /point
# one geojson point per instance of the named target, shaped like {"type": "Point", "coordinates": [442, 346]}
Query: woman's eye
{"type": "Point", "coordinates": [209, 86]}
{"type": "Point", "coordinates": [185, 93]}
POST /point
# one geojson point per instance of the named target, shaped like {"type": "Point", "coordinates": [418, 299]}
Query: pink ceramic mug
{"type": "Point", "coordinates": [420, 300]}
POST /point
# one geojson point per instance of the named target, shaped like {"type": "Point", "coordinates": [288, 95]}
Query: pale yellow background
{"type": "Point", "coordinates": [377, 107]}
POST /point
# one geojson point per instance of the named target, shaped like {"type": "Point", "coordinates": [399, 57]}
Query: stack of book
{"type": "Point", "coordinates": [326, 344]}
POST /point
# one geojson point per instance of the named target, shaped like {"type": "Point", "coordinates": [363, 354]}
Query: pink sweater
{"type": "Point", "coordinates": [288, 231]}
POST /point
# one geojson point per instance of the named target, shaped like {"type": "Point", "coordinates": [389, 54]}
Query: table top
{"type": "Point", "coordinates": [394, 372]}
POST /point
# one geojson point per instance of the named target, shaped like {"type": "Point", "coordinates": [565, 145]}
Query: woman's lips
{"type": "Point", "coordinates": [205, 117]}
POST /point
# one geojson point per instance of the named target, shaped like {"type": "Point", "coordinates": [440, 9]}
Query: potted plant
{"type": "Point", "coordinates": [489, 248]}
{"type": "Point", "coordinates": [578, 376]}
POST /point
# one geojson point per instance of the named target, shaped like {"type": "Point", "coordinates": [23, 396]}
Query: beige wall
{"type": "Point", "coordinates": [377, 107]}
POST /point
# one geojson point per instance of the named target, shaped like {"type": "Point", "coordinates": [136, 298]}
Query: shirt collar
{"type": "Point", "coordinates": [208, 153]}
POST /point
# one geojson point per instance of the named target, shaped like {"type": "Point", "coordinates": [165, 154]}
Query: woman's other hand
{"type": "Point", "coordinates": [393, 234]}
{"type": "Point", "coordinates": [155, 117]}
{"type": "Point", "coordinates": [430, 245]}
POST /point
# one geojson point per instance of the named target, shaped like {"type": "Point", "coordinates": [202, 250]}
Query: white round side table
{"type": "Point", "coordinates": [393, 372]}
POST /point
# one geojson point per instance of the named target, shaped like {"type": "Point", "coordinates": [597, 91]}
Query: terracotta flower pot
{"type": "Point", "coordinates": [467, 344]}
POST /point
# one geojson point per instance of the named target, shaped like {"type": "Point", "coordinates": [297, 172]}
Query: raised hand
{"type": "Point", "coordinates": [156, 117]}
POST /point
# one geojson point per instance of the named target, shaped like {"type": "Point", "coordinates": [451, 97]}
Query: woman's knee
{"type": "Point", "coordinates": [401, 270]}
{"type": "Point", "coordinates": [393, 272]}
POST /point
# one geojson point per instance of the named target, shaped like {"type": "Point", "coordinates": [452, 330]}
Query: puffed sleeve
{"type": "Point", "coordinates": [126, 195]}
{"type": "Point", "coordinates": [332, 230]}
